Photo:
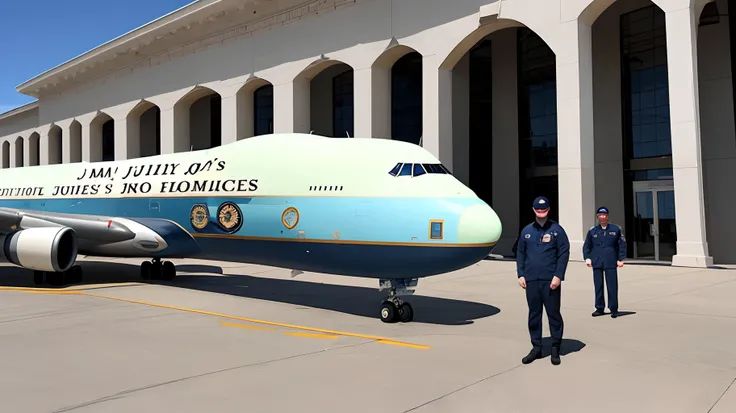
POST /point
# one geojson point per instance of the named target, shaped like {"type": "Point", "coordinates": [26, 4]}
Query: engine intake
{"type": "Point", "coordinates": [51, 249]}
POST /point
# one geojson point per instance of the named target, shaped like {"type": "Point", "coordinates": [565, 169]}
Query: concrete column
{"type": "Point", "coordinates": [291, 111]}
{"type": "Point", "coordinates": [11, 153]}
{"type": "Point", "coordinates": [363, 103]}
{"type": "Point", "coordinates": [43, 144]}
{"type": "Point", "coordinates": [66, 140]}
{"type": "Point", "coordinates": [576, 155]}
{"type": "Point", "coordinates": [167, 129]}
{"type": "Point", "coordinates": [91, 145]}
{"type": "Point", "coordinates": [437, 110]}
{"type": "Point", "coordinates": [230, 130]}
{"type": "Point", "coordinates": [505, 152]}
{"type": "Point", "coordinates": [682, 69]}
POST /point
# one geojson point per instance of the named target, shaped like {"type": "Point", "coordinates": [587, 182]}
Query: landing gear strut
{"type": "Point", "coordinates": [70, 276]}
{"type": "Point", "coordinates": [393, 308]}
{"type": "Point", "coordinates": [158, 270]}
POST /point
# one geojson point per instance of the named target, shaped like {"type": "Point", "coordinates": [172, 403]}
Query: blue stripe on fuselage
{"type": "Point", "coordinates": [386, 237]}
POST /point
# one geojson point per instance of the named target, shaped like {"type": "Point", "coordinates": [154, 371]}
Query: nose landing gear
{"type": "Point", "coordinates": [393, 308]}
{"type": "Point", "coordinates": [158, 270]}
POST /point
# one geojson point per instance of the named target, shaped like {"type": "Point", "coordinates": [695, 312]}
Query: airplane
{"type": "Point", "coordinates": [374, 208]}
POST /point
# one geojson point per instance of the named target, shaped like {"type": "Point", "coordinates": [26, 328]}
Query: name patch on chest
{"type": "Point", "coordinates": [546, 238]}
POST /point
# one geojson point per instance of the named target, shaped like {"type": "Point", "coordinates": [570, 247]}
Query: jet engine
{"type": "Point", "coordinates": [50, 249]}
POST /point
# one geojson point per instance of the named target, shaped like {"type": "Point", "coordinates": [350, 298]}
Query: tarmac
{"type": "Point", "coordinates": [227, 337]}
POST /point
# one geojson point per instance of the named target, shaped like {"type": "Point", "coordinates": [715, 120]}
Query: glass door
{"type": "Point", "coordinates": [655, 235]}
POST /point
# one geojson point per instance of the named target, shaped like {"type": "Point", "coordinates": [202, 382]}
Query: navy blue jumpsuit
{"type": "Point", "coordinates": [604, 247]}
{"type": "Point", "coordinates": [543, 253]}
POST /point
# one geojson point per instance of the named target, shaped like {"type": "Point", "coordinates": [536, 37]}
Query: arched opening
{"type": "Point", "coordinates": [634, 144]}
{"type": "Point", "coordinates": [396, 92]}
{"type": "Point", "coordinates": [6, 155]}
{"type": "Point", "coordinates": [54, 145]}
{"type": "Point", "coordinates": [102, 138]}
{"type": "Point", "coordinates": [255, 108]}
{"type": "Point", "coordinates": [144, 130]}
{"type": "Point", "coordinates": [198, 120]}
{"type": "Point", "coordinates": [75, 142]}
{"type": "Point", "coordinates": [504, 123]}
{"type": "Point", "coordinates": [263, 110]}
{"type": "Point", "coordinates": [326, 86]}
{"type": "Point", "coordinates": [406, 98]}
{"type": "Point", "coordinates": [18, 152]}
{"type": "Point", "coordinates": [34, 149]}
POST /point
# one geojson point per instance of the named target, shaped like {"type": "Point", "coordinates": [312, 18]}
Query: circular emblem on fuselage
{"type": "Point", "coordinates": [229, 217]}
{"type": "Point", "coordinates": [290, 217]}
{"type": "Point", "coordinates": [199, 217]}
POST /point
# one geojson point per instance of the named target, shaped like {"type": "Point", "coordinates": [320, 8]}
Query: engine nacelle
{"type": "Point", "coordinates": [51, 249]}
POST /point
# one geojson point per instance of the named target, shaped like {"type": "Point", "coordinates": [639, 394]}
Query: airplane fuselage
{"type": "Point", "coordinates": [305, 202]}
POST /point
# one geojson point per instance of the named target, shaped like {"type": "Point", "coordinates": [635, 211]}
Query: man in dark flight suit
{"type": "Point", "coordinates": [605, 250]}
{"type": "Point", "coordinates": [541, 261]}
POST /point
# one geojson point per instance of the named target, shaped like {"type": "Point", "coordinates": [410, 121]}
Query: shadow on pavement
{"type": "Point", "coordinates": [359, 301]}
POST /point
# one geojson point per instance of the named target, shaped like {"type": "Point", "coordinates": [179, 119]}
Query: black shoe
{"type": "Point", "coordinates": [533, 355]}
{"type": "Point", "coordinates": [614, 314]}
{"type": "Point", "coordinates": [598, 313]}
{"type": "Point", "coordinates": [555, 356]}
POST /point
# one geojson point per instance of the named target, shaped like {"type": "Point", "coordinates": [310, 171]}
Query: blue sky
{"type": "Point", "coordinates": [38, 35]}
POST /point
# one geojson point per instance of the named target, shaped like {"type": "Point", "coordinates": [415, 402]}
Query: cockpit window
{"type": "Point", "coordinates": [418, 169]}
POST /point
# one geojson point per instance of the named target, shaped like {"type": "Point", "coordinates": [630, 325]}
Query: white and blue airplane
{"type": "Point", "coordinates": [373, 208]}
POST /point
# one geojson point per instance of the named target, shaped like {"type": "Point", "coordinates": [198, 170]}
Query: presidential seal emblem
{"type": "Point", "coordinates": [199, 217]}
{"type": "Point", "coordinates": [229, 217]}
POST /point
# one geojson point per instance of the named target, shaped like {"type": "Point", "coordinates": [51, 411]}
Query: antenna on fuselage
{"type": "Point", "coordinates": [347, 133]}
{"type": "Point", "coordinates": [311, 131]}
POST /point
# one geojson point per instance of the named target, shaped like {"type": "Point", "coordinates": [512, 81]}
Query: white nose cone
{"type": "Point", "coordinates": [479, 224]}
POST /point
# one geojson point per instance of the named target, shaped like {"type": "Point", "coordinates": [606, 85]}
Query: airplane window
{"type": "Point", "coordinates": [396, 169]}
{"type": "Point", "coordinates": [405, 170]}
{"type": "Point", "coordinates": [418, 170]}
{"type": "Point", "coordinates": [446, 170]}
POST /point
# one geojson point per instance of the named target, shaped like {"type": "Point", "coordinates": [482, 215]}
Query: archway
{"type": "Point", "coordinates": [325, 87]}
{"type": "Point", "coordinates": [18, 152]}
{"type": "Point", "coordinates": [198, 120]}
{"type": "Point", "coordinates": [102, 138]}
{"type": "Point", "coordinates": [5, 155]}
{"type": "Point", "coordinates": [75, 142]}
{"type": "Point", "coordinates": [255, 108]}
{"type": "Point", "coordinates": [144, 130]}
{"type": "Point", "coordinates": [34, 149]}
{"type": "Point", "coordinates": [54, 140]}
{"type": "Point", "coordinates": [397, 94]}
{"type": "Point", "coordinates": [504, 117]}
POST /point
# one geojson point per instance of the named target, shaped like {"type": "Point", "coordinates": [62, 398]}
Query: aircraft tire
{"type": "Point", "coordinates": [388, 312]}
{"type": "Point", "coordinates": [168, 271]}
{"type": "Point", "coordinates": [146, 270]}
{"type": "Point", "coordinates": [406, 313]}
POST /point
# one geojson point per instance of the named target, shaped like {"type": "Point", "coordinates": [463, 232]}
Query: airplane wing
{"type": "Point", "coordinates": [50, 241]}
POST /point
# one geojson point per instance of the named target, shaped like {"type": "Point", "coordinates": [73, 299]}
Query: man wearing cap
{"type": "Point", "coordinates": [605, 250]}
{"type": "Point", "coordinates": [541, 261]}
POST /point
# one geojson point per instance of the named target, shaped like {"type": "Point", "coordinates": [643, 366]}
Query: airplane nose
{"type": "Point", "coordinates": [478, 224]}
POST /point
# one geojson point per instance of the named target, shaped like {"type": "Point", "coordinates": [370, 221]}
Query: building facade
{"type": "Point", "coordinates": [623, 103]}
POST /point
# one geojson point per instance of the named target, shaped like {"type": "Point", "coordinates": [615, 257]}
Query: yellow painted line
{"type": "Point", "coordinates": [226, 324]}
{"type": "Point", "coordinates": [383, 340]}
{"type": "Point", "coordinates": [311, 335]}
{"type": "Point", "coordinates": [402, 344]}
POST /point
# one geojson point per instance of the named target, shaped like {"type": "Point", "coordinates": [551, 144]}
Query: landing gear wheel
{"type": "Point", "coordinates": [388, 312]}
{"type": "Point", "coordinates": [39, 277]}
{"type": "Point", "coordinates": [406, 313]}
{"type": "Point", "coordinates": [146, 270]}
{"type": "Point", "coordinates": [168, 271]}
